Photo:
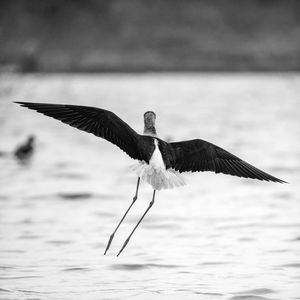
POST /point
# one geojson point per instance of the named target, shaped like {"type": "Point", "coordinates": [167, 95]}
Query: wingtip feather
{"type": "Point", "coordinates": [24, 104]}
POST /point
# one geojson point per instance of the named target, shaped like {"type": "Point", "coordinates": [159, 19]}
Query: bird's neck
{"type": "Point", "coordinates": [149, 129]}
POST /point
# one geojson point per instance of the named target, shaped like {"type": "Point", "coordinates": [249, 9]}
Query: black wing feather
{"type": "Point", "coordinates": [100, 122]}
{"type": "Point", "coordinates": [198, 155]}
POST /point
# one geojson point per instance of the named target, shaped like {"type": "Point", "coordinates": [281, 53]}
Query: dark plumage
{"type": "Point", "coordinates": [25, 151]}
{"type": "Point", "coordinates": [193, 155]}
{"type": "Point", "coordinates": [100, 122]}
{"type": "Point", "coordinates": [198, 155]}
{"type": "Point", "coordinates": [159, 161]}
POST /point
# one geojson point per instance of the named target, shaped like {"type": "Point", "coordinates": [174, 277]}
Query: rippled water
{"type": "Point", "coordinates": [220, 237]}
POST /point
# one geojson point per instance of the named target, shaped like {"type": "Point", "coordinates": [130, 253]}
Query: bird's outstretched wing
{"type": "Point", "coordinates": [100, 122]}
{"type": "Point", "coordinates": [198, 155]}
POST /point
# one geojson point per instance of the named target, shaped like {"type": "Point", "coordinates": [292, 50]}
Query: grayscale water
{"type": "Point", "coordinates": [220, 237]}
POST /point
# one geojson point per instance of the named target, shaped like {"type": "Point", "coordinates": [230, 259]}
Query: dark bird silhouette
{"type": "Point", "coordinates": [160, 163]}
{"type": "Point", "coordinates": [25, 151]}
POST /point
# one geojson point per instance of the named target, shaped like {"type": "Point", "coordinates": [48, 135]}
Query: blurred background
{"type": "Point", "coordinates": [160, 35]}
{"type": "Point", "coordinates": [223, 71]}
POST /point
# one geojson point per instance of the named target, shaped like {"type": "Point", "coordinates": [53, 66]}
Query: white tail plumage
{"type": "Point", "coordinates": [159, 178]}
{"type": "Point", "coordinates": [155, 172]}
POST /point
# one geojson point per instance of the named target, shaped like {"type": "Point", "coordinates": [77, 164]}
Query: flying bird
{"type": "Point", "coordinates": [159, 163]}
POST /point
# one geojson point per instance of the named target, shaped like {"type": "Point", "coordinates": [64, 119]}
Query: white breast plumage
{"type": "Point", "coordinates": [156, 160]}
{"type": "Point", "coordinates": [155, 172]}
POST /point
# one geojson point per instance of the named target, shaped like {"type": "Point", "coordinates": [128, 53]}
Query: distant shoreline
{"type": "Point", "coordinates": [116, 36]}
{"type": "Point", "coordinates": [19, 70]}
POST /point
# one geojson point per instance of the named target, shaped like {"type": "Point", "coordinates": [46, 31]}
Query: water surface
{"type": "Point", "coordinates": [220, 237]}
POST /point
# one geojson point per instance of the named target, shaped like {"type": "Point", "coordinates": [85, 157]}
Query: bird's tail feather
{"type": "Point", "coordinates": [158, 178]}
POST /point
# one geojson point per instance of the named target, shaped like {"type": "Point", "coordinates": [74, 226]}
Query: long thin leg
{"type": "Point", "coordinates": [136, 226]}
{"type": "Point", "coordinates": [133, 200]}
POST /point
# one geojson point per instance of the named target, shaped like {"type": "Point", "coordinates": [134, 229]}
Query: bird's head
{"type": "Point", "coordinates": [30, 139]}
{"type": "Point", "coordinates": [149, 122]}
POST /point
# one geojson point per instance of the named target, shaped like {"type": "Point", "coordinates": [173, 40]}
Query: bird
{"type": "Point", "coordinates": [25, 151]}
{"type": "Point", "coordinates": [159, 163]}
